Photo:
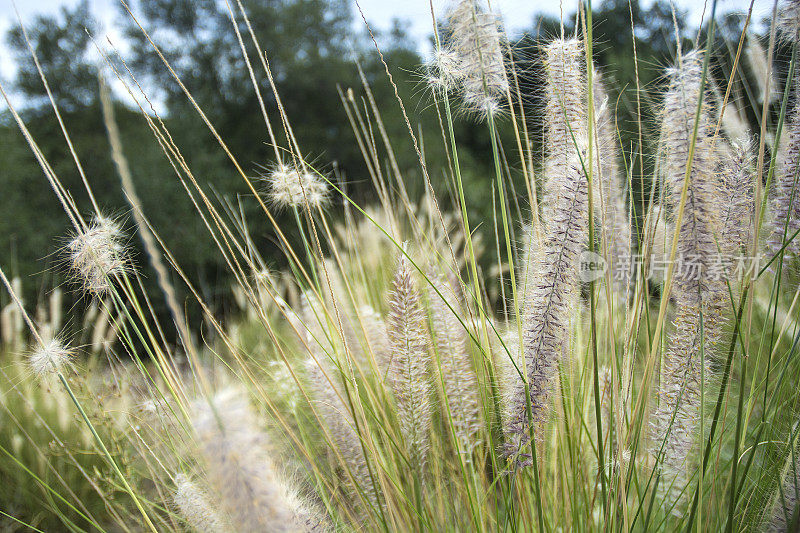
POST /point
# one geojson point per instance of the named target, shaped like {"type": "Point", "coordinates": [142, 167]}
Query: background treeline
{"type": "Point", "coordinates": [312, 49]}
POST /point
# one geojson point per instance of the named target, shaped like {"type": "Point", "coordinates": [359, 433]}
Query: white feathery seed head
{"type": "Point", "coordinates": [784, 204]}
{"type": "Point", "coordinates": [757, 59]}
{"type": "Point", "coordinates": [698, 291]}
{"type": "Point", "coordinates": [699, 223]}
{"type": "Point", "coordinates": [737, 189]}
{"type": "Point", "coordinates": [408, 368]}
{"type": "Point", "coordinates": [293, 187]}
{"type": "Point", "coordinates": [327, 395]}
{"type": "Point", "coordinates": [566, 108]}
{"type": "Point", "coordinates": [610, 209]}
{"type": "Point", "coordinates": [445, 70]}
{"type": "Point", "coordinates": [548, 306]}
{"type": "Point", "coordinates": [97, 254]}
{"type": "Point", "coordinates": [50, 358]}
{"type": "Point", "coordinates": [789, 20]}
{"type": "Point", "coordinates": [552, 272]}
{"type": "Point", "coordinates": [197, 508]}
{"type": "Point", "coordinates": [239, 468]}
{"type": "Point", "coordinates": [453, 361]}
{"type": "Point", "coordinates": [472, 60]}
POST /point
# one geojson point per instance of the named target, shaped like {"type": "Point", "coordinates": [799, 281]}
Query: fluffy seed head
{"type": "Point", "coordinates": [736, 191]}
{"type": "Point", "coordinates": [408, 368]}
{"type": "Point", "coordinates": [472, 60]}
{"type": "Point", "coordinates": [784, 205]}
{"type": "Point", "coordinates": [197, 508]}
{"type": "Point", "coordinates": [789, 20]}
{"type": "Point", "coordinates": [677, 418]}
{"type": "Point", "coordinates": [757, 59]}
{"type": "Point", "coordinates": [453, 362]}
{"type": "Point", "coordinates": [552, 275]}
{"type": "Point", "coordinates": [697, 246]}
{"type": "Point", "coordinates": [239, 469]}
{"type": "Point", "coordinates": [338, 419]}
{"type": "Point", "coordinates": [566, 106]}
{"type": "Point", "coordinates": [548, 306]}
{"type": "Point", "coordinates": [610, 210]}
{"type": "Point", "coordinates": [699, 291]}
{"type": "Point", "coordinates": [50, 358]}
{"type": "Point", "coordinates": [97, 255]}
{"type": "Point", "coordinates": [291, 187]}
{"type": "Point", "coordinates": [445, 70]}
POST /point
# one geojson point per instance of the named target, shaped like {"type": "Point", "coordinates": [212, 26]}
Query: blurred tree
{"type": "Point", "coordinates": [62, 45]}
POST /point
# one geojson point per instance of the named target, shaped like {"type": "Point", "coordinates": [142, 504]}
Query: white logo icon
{"type": "Point", "coordinates": [591, 266]}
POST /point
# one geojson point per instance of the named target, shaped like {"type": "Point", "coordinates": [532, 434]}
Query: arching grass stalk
{"type": "Point", "coordinates": [589, 171]}
{"type": "Point", "coordinates": [477, 295]}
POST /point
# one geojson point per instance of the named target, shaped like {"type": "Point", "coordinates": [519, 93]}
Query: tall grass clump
{"type": "Point", "coordinates": [614, 349]}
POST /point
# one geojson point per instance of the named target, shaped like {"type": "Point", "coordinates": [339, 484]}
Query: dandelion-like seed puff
{"type": "Point", "coordinates": [50, 358]}
{"type": "Point", "coordinates": [97, 255]}
{"type": "Point", "coordinates": [291, 187]}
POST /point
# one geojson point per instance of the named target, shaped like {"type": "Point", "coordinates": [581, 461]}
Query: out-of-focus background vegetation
{"type": "Point", "coordinates": [313, 51]}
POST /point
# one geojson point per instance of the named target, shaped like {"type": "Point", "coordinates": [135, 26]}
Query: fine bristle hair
{"type": "Point", "coordinates": [97, 255]}
{"type": "Point", "coordinates": [554, 269]}
{"type": "Point", "coordinates": [471, 60]}
{"type": "Point", "coordinates": [292, 187]}
{"type": "Point", "coordinates": [737, 189]}
{"type": "Point", "coordinates": [698, 225]}
{"type": "Point", "coordinates": [609, 196]}
{"type": "Point", "coordinates": [50, 357]}
{"type": "Point", "coordinates": [788, 21]}
{"type": "Point", "coordinates": [408, 368]}
{"type": "Point", "coordinates": [453, 362]}
{"type": "Point", "coordinates": [757, 60]}
{"type": "Point", "coordinates": [238, 466]}
{"type": "Point", "coordinates": [566, 106]}
{"type": "Point", "coordinates": [784, 516]}
{"type": "Point", "coordinates": [784, 216]}
{"type": "Point", "coordinates": [197, 508]}
{"type": "Point", "coordinates": [329, 401]}
{"type": "Point", "coordinates": [698, 290]}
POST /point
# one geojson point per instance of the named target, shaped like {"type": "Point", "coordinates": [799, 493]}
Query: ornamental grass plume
{"type": "Point", "coordinates": [289, 186]}
{"type": "Point", "coordinates": [565, 107]}
{"type": "Point", "coordinates": [737, 188]}
{"type": "Point", "coordinates": [553, 276]}
{"type": "Point", "coordinates": [608, 194]}
{"type": "Point", "coordinates": [238, 468]}
{"type": "Point", "coordinates": [375, 340]}
{"type": "Point", "coordinates": [197, 508]}
{"type": "Point", "coordinates": [97, 255]}
{"type": "Point", "coordinates": [339, 421]}
{"type": "Point", "coordinates": [471, 60]}
{"type": "Point", "coordinates": [453, 362]}
{"type": "Point", "coordinates": [788, 22]}
{"type": "Point", "coordinates": [785, 513]}
{"type": "Point", "coordinates": [699, 224]}
{"type": "Point", "coordinates": [757, 60]}
{"type": "Point", "coordinates": [329, 402]}
{"type": "Point", "coordinates": [784, 205]}
{"type": "Point", "coordinates": [698, 291]}
{"type": "Point", "coordinates": [50, 358]}
{"type": "Point", "coordinates": [409, 363]}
